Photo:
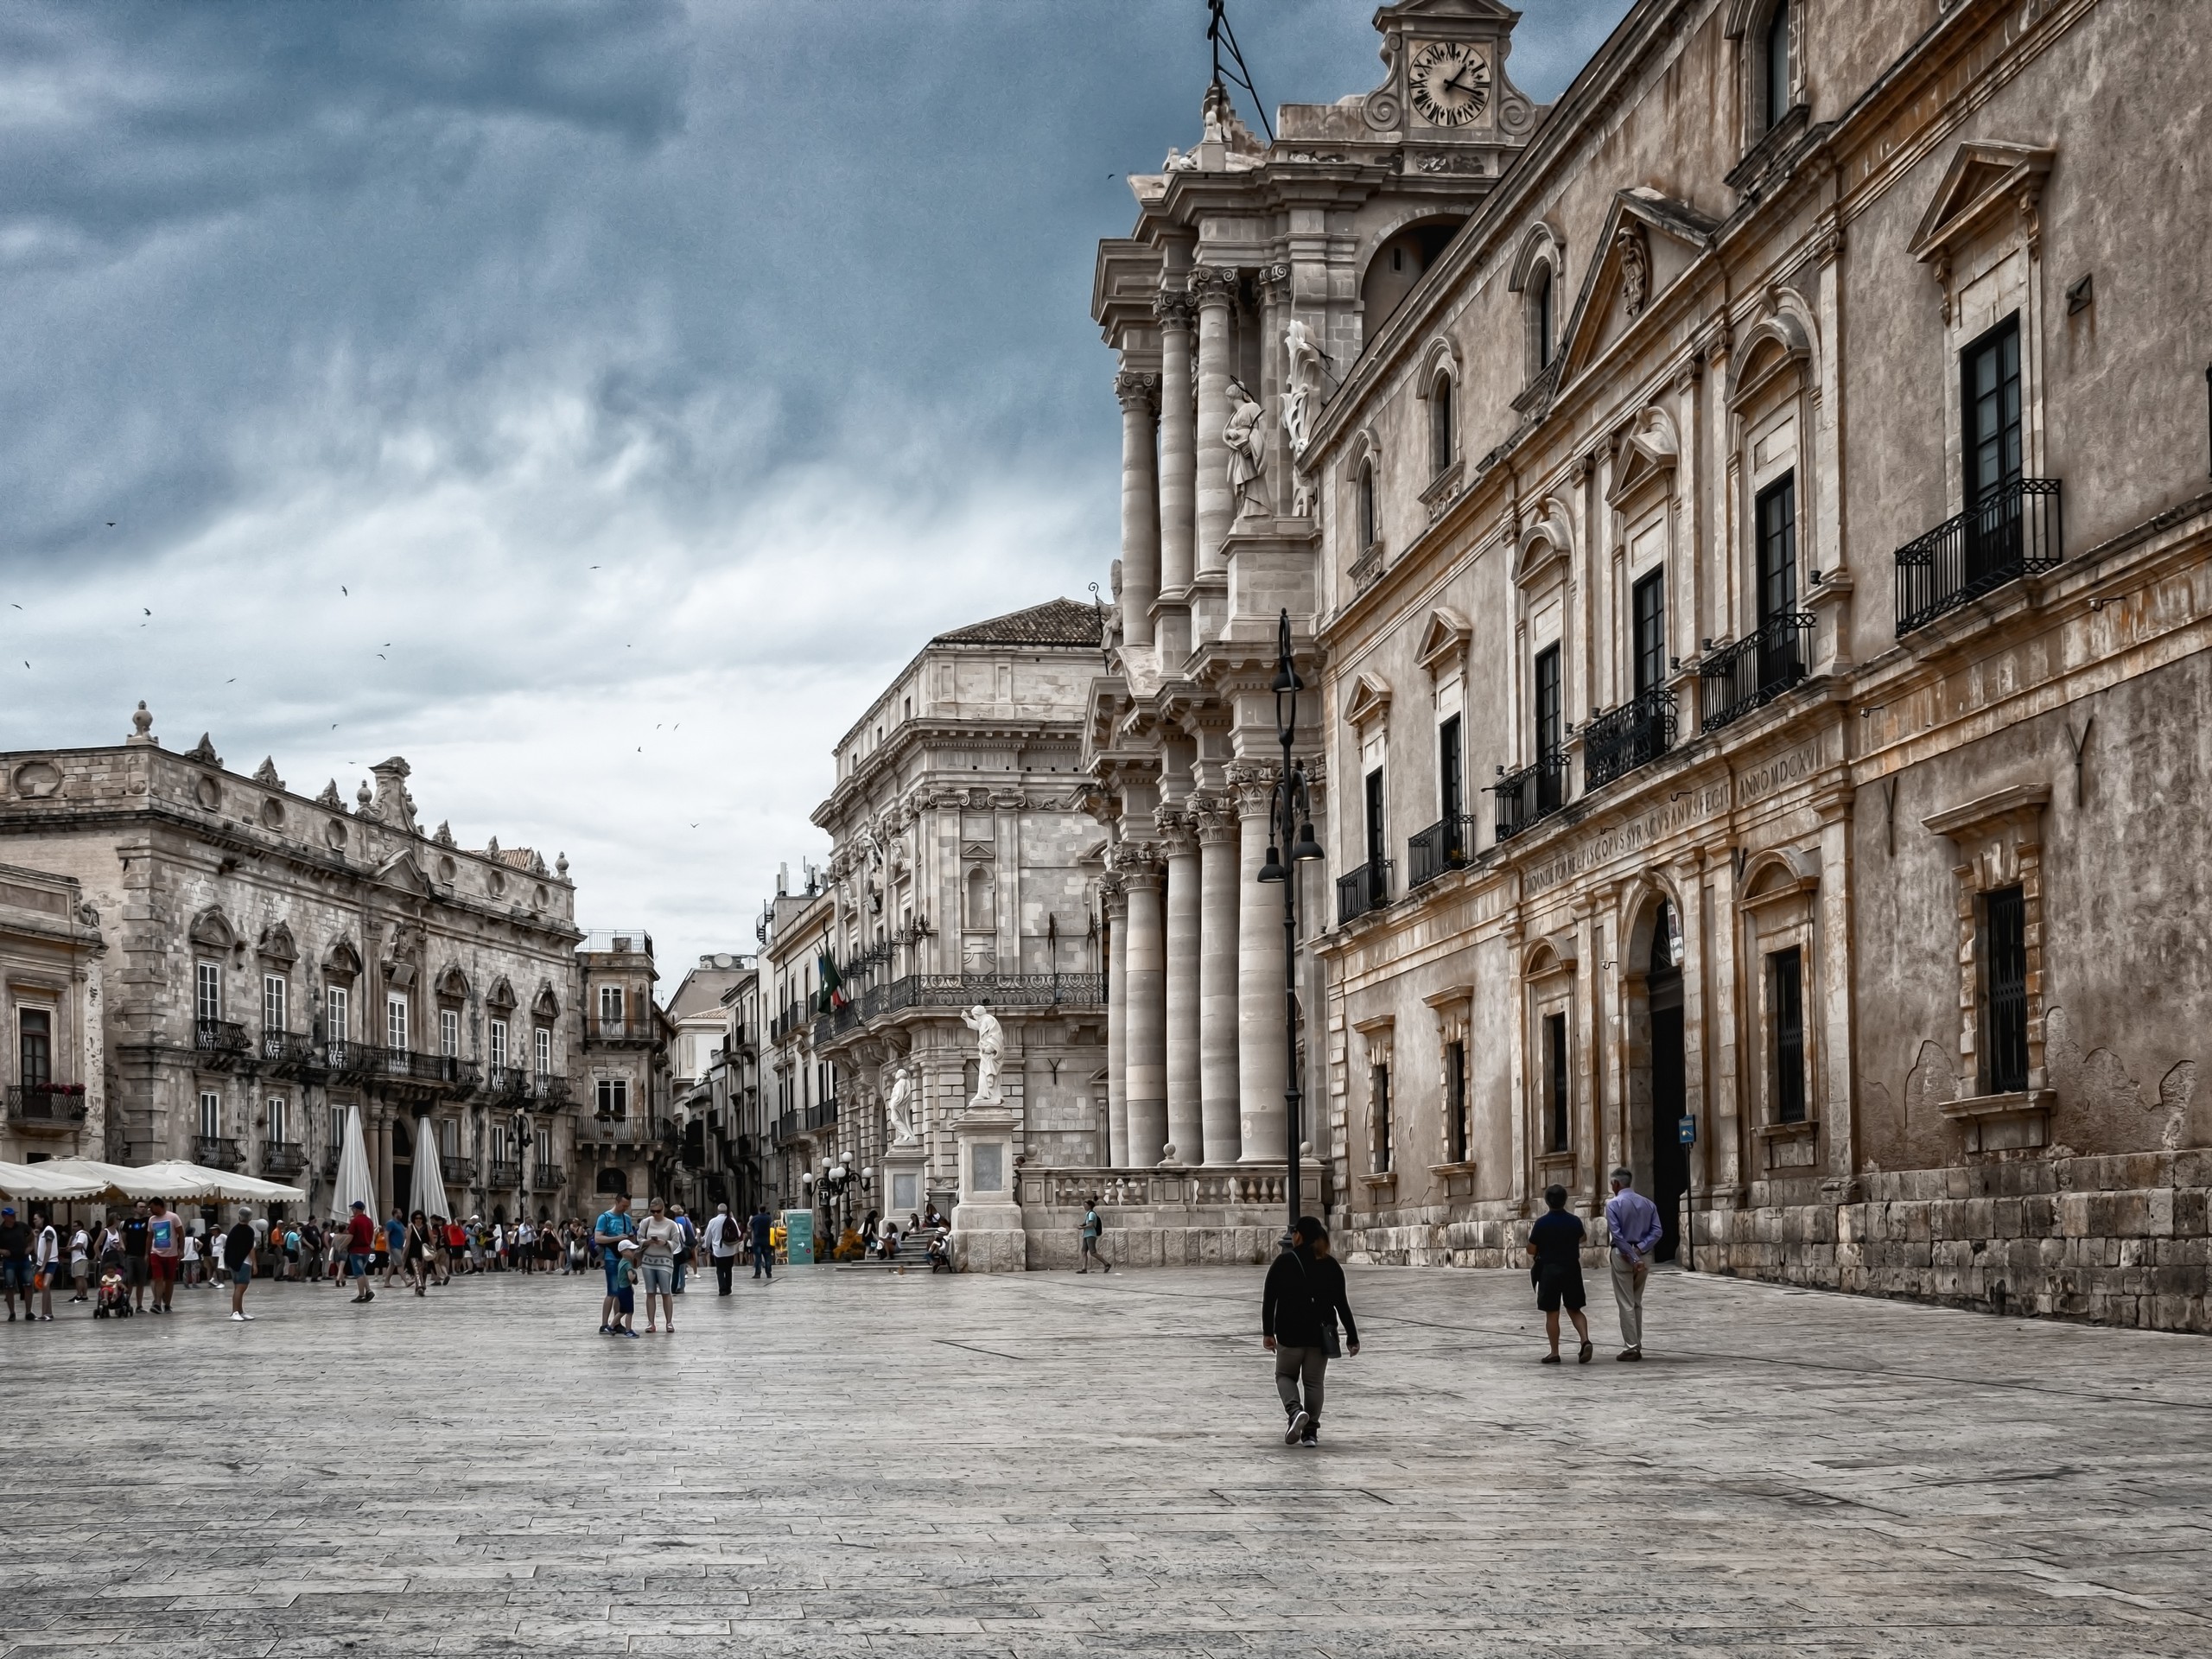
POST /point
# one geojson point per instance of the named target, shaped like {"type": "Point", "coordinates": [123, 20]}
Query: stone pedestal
{"type": "Point", "coordinates": [905, 1183]}
{"type": "Point", "coordinates": [987, 1232]}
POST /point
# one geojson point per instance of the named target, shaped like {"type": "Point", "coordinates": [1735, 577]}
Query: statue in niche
{"type": "Point", "coordinates": [1635, 270]}
{"type": "Point", "coordinates": [1246, 459]}
{"type": "Point", "coordinates": [1302, 369]}
{"type": "Point", "coordinates": [981, 1020]}
{"type": "Point", "coordinates": [899, 1107]}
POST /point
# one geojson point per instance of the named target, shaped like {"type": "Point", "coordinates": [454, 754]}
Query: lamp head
{"type": "Point", "coordinates": [1273, 870]}
{"type": "Point", "coordinates": [1307, 847]}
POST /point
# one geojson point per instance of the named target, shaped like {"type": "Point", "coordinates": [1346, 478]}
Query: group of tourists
{"type": "Point", "coordinates": [128, 1264]}
{"type": "Point", "coordinates": [1304, 1300]}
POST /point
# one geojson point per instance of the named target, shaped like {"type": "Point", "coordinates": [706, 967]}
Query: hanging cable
{"type": "Point", "coordinates": [1219, 34]}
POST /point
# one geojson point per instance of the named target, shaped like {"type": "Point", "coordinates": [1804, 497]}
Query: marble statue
{"type": "Point", "coordinates": [981, 1020]}
{"type": "Point", "coordinates": [1247, 457]}
{"type": "Point", "coordinates": [899, 1107]}
{"type": "Point", "coordinates": [1302, 366]}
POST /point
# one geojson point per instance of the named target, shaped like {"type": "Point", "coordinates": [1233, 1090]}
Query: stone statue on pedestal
{"type": "Point", "coordinates": [899, 1107]}
{"type": "Point", "coordinates": [981, 1020]}
{"type": "Point", "coordinates": [1248, 458]}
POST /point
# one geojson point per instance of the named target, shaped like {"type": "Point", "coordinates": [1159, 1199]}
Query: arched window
{"type": "Point", "coordinates": [979, 898]}
{"type": "Point", "coordinates": [1439, 423]}
{"type": "Point", "coordinates": [1540, 314]}
{"type": "Point", "coordinates": [1775, 64]}
{"type": "Point", "coordinates": [1366, 488]}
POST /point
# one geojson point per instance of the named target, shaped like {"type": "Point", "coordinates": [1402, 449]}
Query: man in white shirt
{"type": "Point", "coordinates": [724, 1237]}
{"type": "Point", "coordinates": [80, 1260]}
{"type": "Point", "coordinates": [45, 1262]}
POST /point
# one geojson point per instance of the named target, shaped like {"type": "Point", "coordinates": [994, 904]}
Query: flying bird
{"type": "Point", "coordinates": [144, 608]}
{"type": "Point", "coordinates": [111, 523]}
{"type": "Point", "coordinates": [344, 589]}
{"type": "Point", "coordinates": [233, 680]}
{"type": "Point", "coordinates": [13, 602]}
{"type": "Point", "coordinates": [382, 657]}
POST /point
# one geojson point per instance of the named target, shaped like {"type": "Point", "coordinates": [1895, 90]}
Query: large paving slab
{"type": "Point", "coordinates": [849, 1462]}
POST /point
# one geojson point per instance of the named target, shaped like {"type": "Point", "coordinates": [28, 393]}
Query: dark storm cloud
{"type": "Point", "coordinates": [775, 313]}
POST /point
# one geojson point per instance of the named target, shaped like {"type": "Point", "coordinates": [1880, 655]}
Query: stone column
{"type": "Point", "coordinates": [1115, 903]}
{"type": "Point", "coordinates": [1214, 289]}
{"type": "Point", "coordinates": [1178, 459]}
{"type": "Point", "coordinates": [1140, 396]}
{"type": "Point", "coordinates": [1260, 1067]}
{"type": "Point", "coordinates": [1217, 1086]}
{"type": "Point", "coordinates": [1185, 1125]}
{"type": "Point", "coordinates": [1146, 1060]}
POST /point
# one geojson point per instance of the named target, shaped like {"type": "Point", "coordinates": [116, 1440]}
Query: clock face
{"type": "Point", "coordinates": [1449, 83]}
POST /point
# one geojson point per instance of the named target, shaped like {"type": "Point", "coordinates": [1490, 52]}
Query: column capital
{"type": "Point", "coordinates": [1176, 839]}
{"type": "Point", "coordinates": [1213, 284]}
{"type": "Point", "coordinates": [1275, 283]}
{"type": "Point", "coordinates": [1138, 390]}
{"type": "Point", "coordinates": [1214, 819]}
{"type": "Point", "coordinates": [1171, 309]}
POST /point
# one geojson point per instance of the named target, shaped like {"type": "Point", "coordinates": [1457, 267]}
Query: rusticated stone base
{"type": "Point", "coordinates": [2112, 1241]}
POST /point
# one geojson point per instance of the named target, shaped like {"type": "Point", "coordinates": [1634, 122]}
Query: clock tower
{"type": "Point", "coordinates": [1446, 93]}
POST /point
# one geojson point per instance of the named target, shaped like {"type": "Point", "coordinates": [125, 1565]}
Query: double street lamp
{"type": "Point", "coordinates": [1293, 806]}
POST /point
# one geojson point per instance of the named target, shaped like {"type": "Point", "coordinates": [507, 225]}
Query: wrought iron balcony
{"type": "Point", "coordinates": [288, 1053]}
{"type": "Point", "coordinates": [459, 1169]}
{"type": "Point", "coordinates": [501, 1176]}
{"type": "Point", "coordinates": [822, 1114]}
{"type": "Point", "coordinates": [1623, 739]}
{"type": "Point", "coordinates": [352, 1061]}
{"type": "Point", "coordinates": [1756, 669]}
{"type": "Point", "coordinates": [546, 1178]}
{"type": "Point", "coordinates": [1529, 796]}
{"type": "Point", "coordinates": [282, 1158]}
{"type": "Point", "coordinates": [506, 1083]}
{"type": "Point", "coordinates": [222, 1043]}
{"type": "Point", "coordinates": [1366, 888]}
{"type": "Point", "coordinates": [52, 1107]}
{"type": "Point", "coordinates": [787, 1127]}
{"type": "Point", "coordinates": [1447, 845]}
{"type": "Point", "coordinates": [547, 1092]}
{"type": "Point", "coordinates": [218, 1152]}
{"type": "Point", "coordinates": [2014, 531]}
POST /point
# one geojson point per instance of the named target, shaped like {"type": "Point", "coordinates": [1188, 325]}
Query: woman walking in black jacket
{"type": "Point", "coordinates": [1299, 1310]}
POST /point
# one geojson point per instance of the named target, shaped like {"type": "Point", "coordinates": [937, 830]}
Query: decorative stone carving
{"type": "Point", "coordinates": [1171, 309]}
{"type": "Point", "coordinates": [329, 797]}
{"type": "Point", "coordinates": [444, 837]}
{"type": "Point", "coordinates": [1302, 370]}
{"type": "Point", "coordinates": [266, 772]}
{"type": "Point", "coordinates": [1248, 458]}
{"type": "Point", "coordinates": [204, 752]}
{"type": "Point", "coordinates": [989, 1044]}
{"type": "Point", "coordinates": [1137, 390]}
{"type": "Point", "coordinates": [898, 1107]}
{"type": "Point", "coordinates": [141, 724]}
{"type": "Point", "coordinates": [1635, 269]}
{"type": "Point", "coordinates": [1212, 284]}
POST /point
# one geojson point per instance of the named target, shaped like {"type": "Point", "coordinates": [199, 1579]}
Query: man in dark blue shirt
{"type": "Point", "coordinates": [1555, 1265]}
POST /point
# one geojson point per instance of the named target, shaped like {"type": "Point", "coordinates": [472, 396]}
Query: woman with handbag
{"type": "Point", "coordinates": [1299, 1311]}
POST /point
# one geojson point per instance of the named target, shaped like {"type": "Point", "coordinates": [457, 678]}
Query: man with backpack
{"type": "Point", "coordinates": [1092, 1227]}
{"type": "Point", "coordinates": [724, 1238]}
{"type": "Point", "coordinates": [1299, 1310]}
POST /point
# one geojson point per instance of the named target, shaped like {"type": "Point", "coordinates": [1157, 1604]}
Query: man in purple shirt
{"type": "Point", "coordinates": [1632, 1221]}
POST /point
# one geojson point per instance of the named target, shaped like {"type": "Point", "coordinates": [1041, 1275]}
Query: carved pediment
{"type": "Point", "coordinates": [546, 1007]}
{"type": "Point", "coordinates": [1443, 641]}
{"type": "Point", "coordinates": [1649, 241]}
{"type": "Point", "coordinates": [1546, 540]}
{"type": "Point", "coordinates": [979, 851]}
{"type": "Point", "coordinates": [1369, 702]}
{"type": "Point", "coordinates": [1648, 455]}
{"type": "Point", "coordinates": [212, 930]}
{"type": "Point", "coordinates": [501, 999]}
{"type": "Point", "coordinates": [452, 984]}
{"type": "Point", "coordinates": [401, 871]}
{"type": "Point", "coordinates": [276, 945]}
{"type": "Point", "coordinates": [341, 960]}
{"type": "Point", "coordinates": [1984, 180]}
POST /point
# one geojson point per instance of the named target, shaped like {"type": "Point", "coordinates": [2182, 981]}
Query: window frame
{"type": "Point", "coordinates": [1792, 1096]}
{"type": "Point", "coordinates": [397, 1022]}
{"type": "Point", "coordinates": [449, 1033]}
{"type": "Point", "coordinates": [1382, 1142]}
{"type": "Point", "coordinates": [1559, 1093]}
{"type": "Point", "coordinates": [2001, 925]}
{"type": "Point", "coordinates": [1442, 438]}
{"type": "Point", "coordinates": [24, 1042]}
{"type": "Point", "coordinates": [2011, 432]}
{"type": "Point", "coordinates": [1777, 81]}
{"type": "Point", "coordinates": [1778, 538]}
{"type": "Point", "coordinates": [211, 1114]}
{"type": "Point", "coordinates": [1648, 633]}
{"type": "Point", "coordinates": [207, 990]}
{"type": "Point", "coordinates": [277, 999]}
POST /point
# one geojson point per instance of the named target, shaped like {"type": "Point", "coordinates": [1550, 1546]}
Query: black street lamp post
{"type": "Point", "coordinates": [1293, 807]}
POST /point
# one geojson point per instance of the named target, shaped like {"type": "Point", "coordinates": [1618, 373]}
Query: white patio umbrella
{"type": "Point", "coordinates": [353, 1178]}
{"type": "Point", "coordinates": [429, 1194]}
{"type": "Point", "coordinates": [50, 1182]}
{"type": "Point", "coordinates": [181, 1180]}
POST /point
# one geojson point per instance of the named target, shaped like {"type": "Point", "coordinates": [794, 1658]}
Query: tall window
{"type": "Point", "coordinates": [280, 1127]}
{"type": "Point", "coordinates": [1369, 531]}
{"type": "Point", "coordinates": [34, 1047]}
{"type": "Point", "coordinates": [1786, 972]}
{"type": "Point", "coordinates": [2002, 949]}
{"type": "Point", "coordinates": [1776, 518]}
{"type": "Point", "coordinates": [450, 1033]}
{"type": "Point", "coordinates": [1648, 604]}
{"type": "Point", "coordinates": [610, 1005]}
{"type": "Point", "coordinates": [1990, 369]}
{"type": "Point", "coordinates": [1378, 845]}
{"type": "Point", "coordinates": [1550, 733]}
{"type": "Point", "coordinates": [1450, 775]}
{"type": "Point", "coordinates": [207, 990]}
{"type": "Point", "coordinates": [337, 1022]}
{"type": "Point", "coordinates": [544, 1041]}
{"type": "Point", "coordinates": [613, 1096]}
{"type": "Point", "coordinates": [1540, 314]}
{"type": "Point", "coordinates": [544, 1147]}
{"type": "Point", "coordinates": [211, 1115]}
{"type": "Point", "coordinates": [395, 1021]}
{"type": "Point", "coordinates": [1455, 1100]}
{"type": "Point", "coordinates": [1439, 424]}
{"type": "Point", "coordinates": [1774, 65]}
{"type": "Point", "coordinates": [1378, 1085]}
{"type": "Point", "coordinates": [274, 996]}
{"type": "Point", "coordinates": [499, 1036]}
{"type": "Point", "coordinates": [448, 1138]}
{"type": "Point", "coordinates": [1556, 1079]}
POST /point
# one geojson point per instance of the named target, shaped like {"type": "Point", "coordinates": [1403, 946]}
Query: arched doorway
{"type": "Point", "coordinates": [1670, 1159]}
{"type": "Point", "coordinates": [612, 1180]}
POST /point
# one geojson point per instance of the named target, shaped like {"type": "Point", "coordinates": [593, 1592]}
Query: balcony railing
{"type": "Point", "coordinates": [287, 1053]}
{"type": "Point", "coordinates": [1366, 888]}
{"type": "Point", "coordinates": [1529, 796]}
{"type": "Point", "coordinates": [1367, 567]}
{"type": "Point", "coordinates": [1447, 845]}
{"type": "Point", "coordinates": [217, 1152]}
{"type": "Point", "coordinates": [221, 1042]}
{"type": "Point", "coordinates": [506, 1083]}
{"type": "Point", "coordinates": [821, 1114]}
{"type": "Point", "coordinates": [546, 1178]}
{"type": "Point", "coordinates": [1756, 669]}
{"type": "Point", "coordinates": [962, 991]}
{"type": "Point", "coordinates": [2014, 531]}
{"type": "Point", "coordinates": [500, 1176]}
{"type": "Point", "coordinates": [51, 1106]}
{"type": "Point", "coordinates": [1623, 739]}
{"type": "Point", "coordinates": [457, 1169]}
{"type": "Point", "coordinates": [619, 1029]}
{"type": "Point", "coordinates": [787, 1127]}
{"type": "Point", "coordinates": [282, 1158]}
{"type": "Point", "coordinates": [547, 1092]}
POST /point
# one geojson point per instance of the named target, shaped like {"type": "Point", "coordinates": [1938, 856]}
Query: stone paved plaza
{"type": "Point", "coordinates": [850, 1462]}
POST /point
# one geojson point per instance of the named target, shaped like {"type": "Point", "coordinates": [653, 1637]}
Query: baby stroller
{"type": "Point", "coordinates": [115, 1298]}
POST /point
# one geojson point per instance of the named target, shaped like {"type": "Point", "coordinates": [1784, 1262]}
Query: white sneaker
{"type": "Point", "coordinates": [237, 1319]}
{"type": "Point", "coordinates": [1298, 1423]}
{"type": "Point", "coordinates": [248, 1318]}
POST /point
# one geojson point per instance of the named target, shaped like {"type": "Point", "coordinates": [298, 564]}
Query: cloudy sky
{"type": "Point", "coordinates": [593, 403]}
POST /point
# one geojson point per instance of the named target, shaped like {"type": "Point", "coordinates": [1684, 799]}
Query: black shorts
{"type": "Point", "coordinates": [1560, 1286]}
